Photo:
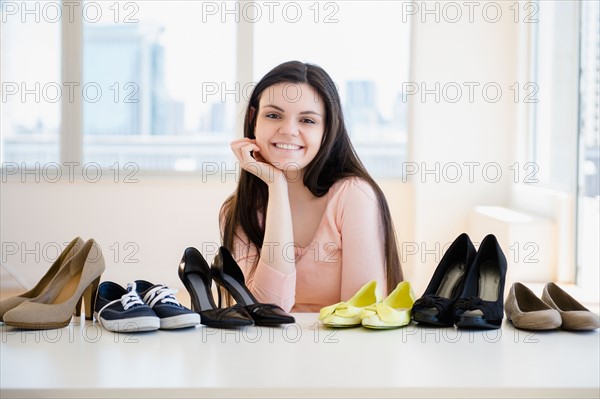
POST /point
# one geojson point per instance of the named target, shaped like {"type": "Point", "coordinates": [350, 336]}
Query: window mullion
{"type": "Point", "coordinates": [244, 61]}
{"type": "Point", "coordinates": [71, 139]}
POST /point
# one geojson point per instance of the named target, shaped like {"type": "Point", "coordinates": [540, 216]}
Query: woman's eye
{"type": "Point", "coordinates": [307, 120]}
{"type": "Point", "coordinates": [272, 116]}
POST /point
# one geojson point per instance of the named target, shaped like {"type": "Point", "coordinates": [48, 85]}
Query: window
{"type": "Point", "coordinates": [161, 84]}
{"type": "Point", "coordinates": [588, 216]}
{"type": "Point", "coordinates": [589, 101]}
{"type": "Point", "coordinates": [565, 135]}
{"type": "Point", "coordinates": [31, 83]}
{"type": "Point", "coordinates": [554, 144]}
{"type": "Point", "coordinates": [150, 66]}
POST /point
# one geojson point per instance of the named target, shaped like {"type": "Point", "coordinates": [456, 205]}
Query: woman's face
{"type": "Point", "coordinates": [290, 125]}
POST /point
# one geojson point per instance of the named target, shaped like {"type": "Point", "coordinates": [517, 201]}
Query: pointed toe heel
{"type": "Point", "coordinates": [228, 275]}
{"type": "Point", "coordinates": [75, 282]}
{"type": "Point", "coordinates": [195, 274]}
{"type": "Point", "coordinates": [11, 303]}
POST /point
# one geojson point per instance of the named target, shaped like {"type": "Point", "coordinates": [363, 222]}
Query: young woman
{"type": "Point", "coordinates": [307, 224]}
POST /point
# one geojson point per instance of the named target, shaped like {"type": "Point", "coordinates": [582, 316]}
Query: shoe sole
{"type": "Point", "coordinates": [38, 326]}
{"type": "Point", "coordinates": [180, 321]}
{"type": "Point", "coordinates": [535, 325]}
{"type": "Point", "coordinates": [341, 322]}
{"type": "Point", "coordinates": [384, 327]}
{"type": "Point", "coordinates": [134, 324]}
{"type": "Point", "coordinates": [431, 321]}
{"type": "Point", "coordinates": [472, 322]}
{"type": "Point", "coordinates": [580, 327]}
{"type": "Point", "coordinates": [273, 324]}
{"type": "Point", "coordinates": [341, 325]}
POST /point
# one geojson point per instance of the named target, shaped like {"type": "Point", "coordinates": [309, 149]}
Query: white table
{"type": "Point", "coordinates": [300, 360]}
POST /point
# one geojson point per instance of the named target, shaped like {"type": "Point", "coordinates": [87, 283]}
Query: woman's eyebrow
{"type": "Point", "coordinates": [310, 113]}
{"type": "Point", "coordinates": [301, 113]}
{"type": "Point", "coordinates": [275, 106]}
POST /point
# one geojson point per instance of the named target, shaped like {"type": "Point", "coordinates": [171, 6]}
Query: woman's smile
{"type": "Point", "coordinates": [287, 147]}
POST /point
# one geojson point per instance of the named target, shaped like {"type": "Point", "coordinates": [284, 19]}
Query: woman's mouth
{"type": "Point", "coordinates": [288, 147]}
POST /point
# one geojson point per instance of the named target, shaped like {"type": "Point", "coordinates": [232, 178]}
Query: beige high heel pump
{"type": "Point", "coordinates": [53, 308]}
{"type": "Point", "coordinates": [11, 303]}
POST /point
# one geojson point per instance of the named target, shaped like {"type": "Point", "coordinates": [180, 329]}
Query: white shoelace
{"type": "Point", "coordinates": [128, 300]}
{"type": "Point", "coordinates": [161, 293]}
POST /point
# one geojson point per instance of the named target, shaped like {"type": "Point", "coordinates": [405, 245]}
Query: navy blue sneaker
{"type": "Point", "coordinates": [162, 300]}
{"type": "Point", "coordinates": [122, 310]}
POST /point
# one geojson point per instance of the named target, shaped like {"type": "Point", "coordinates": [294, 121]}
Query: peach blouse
{"type": "Point", "coordinates": [346, 252]}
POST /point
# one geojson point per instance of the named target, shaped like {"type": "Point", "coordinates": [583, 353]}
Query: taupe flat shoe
{"type": "Point", "coordinates": [526, 311]}
{"type": "Point", "coordinates": [65, 255]}
{"type": "Point", "coordinates": [574, 315]}
{"type": "Point", "coordinates": [53, 308]}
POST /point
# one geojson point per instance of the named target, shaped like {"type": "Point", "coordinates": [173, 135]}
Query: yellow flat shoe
{"type": "Point", "coordinates": [393, 312]}
{"type": "Point", "coordinates": [347, 314]}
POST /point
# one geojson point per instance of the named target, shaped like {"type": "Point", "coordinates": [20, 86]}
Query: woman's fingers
{"type": "Point", "coordinates": [252, 165]}
{"type": "Point", "coordinates": [239, 142]}
{"type": "Point", "coordinates": [243, 148]}
{"type": "Point", "coordinates": [248, 154]}
{"type": "Point", "coordinates": [237, 145]}
{"type": "Point", "coordinates": [258, 156]}
{"type": "Point", "coordinates": [246, 151]}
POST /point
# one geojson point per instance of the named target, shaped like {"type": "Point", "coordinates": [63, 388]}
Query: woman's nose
{"type": "Point", "coordinates": [289, 126]}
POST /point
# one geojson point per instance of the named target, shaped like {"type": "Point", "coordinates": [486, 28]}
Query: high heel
{"type": "Point", "coordinates": [481, 304]}
{"type": "Point", "coordinates": [227, 273]}
{"type": "Point", "coordinates": [435, 306]}
{"type": "Point", "coordinates": [89, 298]}
{"type": "Point", "coordinates": [11, 303]}
{"type": "Point", "coordinates": [221, 294]}
{"type": "Point", "coordinates": [53, 308]}
{"type": "Point", "coordinates": [196, 277]}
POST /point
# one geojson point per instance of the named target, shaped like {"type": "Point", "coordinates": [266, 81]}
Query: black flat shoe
{"type": "Point", "coordinates": [481, 304]}
{"type": "Point", "coordinates": [195, 275]}
{"type": "Point", "coordinates": [435, 306]}
{"type": "Point", "coordinates": [226, 272]}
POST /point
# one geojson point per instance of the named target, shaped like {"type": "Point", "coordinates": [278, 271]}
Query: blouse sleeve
{"type": "Point", "coordinates": [267, 284]}
{"type": "Point", "coordinates": [363, 251]}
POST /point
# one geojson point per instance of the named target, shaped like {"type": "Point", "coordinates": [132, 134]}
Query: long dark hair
{"type": "Point", "coordinates": [335, 160]}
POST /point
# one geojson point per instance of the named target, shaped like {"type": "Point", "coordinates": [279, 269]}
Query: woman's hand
{"type": "Point", "coordinates": [278, 218]}
{"type": "Point", "coordinates": [248, 153]}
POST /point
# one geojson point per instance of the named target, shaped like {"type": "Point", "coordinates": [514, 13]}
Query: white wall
{"type": "Point", "coordinates": [150, 222]}
{"type": "Point", "coordinates": [478, 131]}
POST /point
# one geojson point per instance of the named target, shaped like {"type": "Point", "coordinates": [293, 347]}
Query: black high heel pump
{"type": "Point", "coordinates": [195, 275]}
{"type": "Point", "coordinates": [481, 303]}
{"type": "Point", "coordinates": [226, 272]}
{"type": "Point", "coordinates": [435, 306]}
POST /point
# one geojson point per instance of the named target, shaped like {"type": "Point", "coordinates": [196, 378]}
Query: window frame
{"type": "Point", "coordinates": [572, 120]}
{"type": "Point", "coordinates": [71, 139]}
{"type": "Point", "coordinates": [562, 205]}
{"type": "Point", "coordinates": [71, 127]}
